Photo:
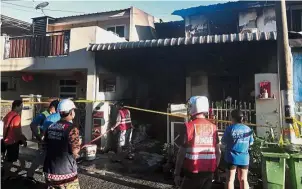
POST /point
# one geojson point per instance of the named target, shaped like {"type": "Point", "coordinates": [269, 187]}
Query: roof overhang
{"type": "Point", "coordinates": [182, 41]}
{"type": "Point", "coordinates": [92, 17]}
{"type": "Point", "coordinates": [229, 6]}
{"type": "Point", "coordinates": [9, 22]}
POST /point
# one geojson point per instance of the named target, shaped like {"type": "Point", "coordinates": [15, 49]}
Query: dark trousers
{"type": "Point", "coordinates": [12, 152]}
{"type": "Point", "coordinates": [197, 181]}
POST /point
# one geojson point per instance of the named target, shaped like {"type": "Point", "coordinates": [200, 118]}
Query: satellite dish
{"type": "Point", "coordinates": [42, 5]}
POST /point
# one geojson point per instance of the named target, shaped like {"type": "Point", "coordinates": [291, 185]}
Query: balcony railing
{"type": "Point", "coordinates": [50, 44]}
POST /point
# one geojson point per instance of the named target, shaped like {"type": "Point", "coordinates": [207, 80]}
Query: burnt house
{"type": "Point", "coordinates": [236, 17]}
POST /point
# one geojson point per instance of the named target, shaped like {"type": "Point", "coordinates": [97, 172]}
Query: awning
{"type": "Point", "coordinates": [209, 39]}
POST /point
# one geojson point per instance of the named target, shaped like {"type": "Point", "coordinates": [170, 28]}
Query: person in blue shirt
{"type": "Point", "coordinates": [53, 118]}
{"type": "Point", "coordinates": [35, 126]}
{"type": "Point", "coordinates": [237, 139]}
{"type": "Point", "coordinates": [39, 120]}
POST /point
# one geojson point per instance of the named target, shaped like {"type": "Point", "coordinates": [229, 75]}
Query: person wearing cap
{"type": "Point", "coordinates": [35, 126]}
{"type": "Point", "coordinates": [199, 154]}
{"type": "Point", "coordinates": [237, 138]}
{"type": "Point", "coordinates": [62, 144]}
{"type": "Point", "coordinates": [123, 127]}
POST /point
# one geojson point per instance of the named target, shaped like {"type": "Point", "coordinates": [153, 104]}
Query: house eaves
{"type": "Point", "coordinates": [98, 16]}
{"type": "Point", "coordinates": [182, 41]}
{"type": "Point", "coordinates": [229, 6]}
{"type": "Point", "coordinates": [9, 22]}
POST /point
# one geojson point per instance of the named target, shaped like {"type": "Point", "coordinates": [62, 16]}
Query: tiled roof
{"type": "Point", "coordinates": [209, 39]}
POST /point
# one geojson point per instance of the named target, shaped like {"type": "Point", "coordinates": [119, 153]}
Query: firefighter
{"type": "Point", "coordinates": [124, 129]}
{"type": "Point", "coordinates": [35, 126]}
{"type": "Point", "coordinates": [199, 154]}
{"type": "Point", "coordinates": [62, 143]}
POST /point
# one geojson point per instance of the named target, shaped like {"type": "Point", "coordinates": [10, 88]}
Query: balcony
{"type": "Point", "coordinates": [50, 44]}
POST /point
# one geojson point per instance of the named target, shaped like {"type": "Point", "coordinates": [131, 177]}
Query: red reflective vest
{"type": "Point", "coordinates": [125, 122]}
{"type": "Point", "coordinates": [200, 146]}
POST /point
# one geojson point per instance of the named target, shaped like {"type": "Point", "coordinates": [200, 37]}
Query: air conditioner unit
{"type": "Point", "coordinates": [249, 30]}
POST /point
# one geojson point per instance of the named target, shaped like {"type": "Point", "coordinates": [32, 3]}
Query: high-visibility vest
{"type": "Point", "coordinates": [200, 146]}
{"type": "Point", "coordinates": [125, 122]}
{"type": "Point", "coordinates": [46, 113]}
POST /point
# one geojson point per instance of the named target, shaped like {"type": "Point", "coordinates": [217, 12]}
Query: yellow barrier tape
{"type": "Point", "coordinates": [296, 124]}
{"type": "Point", "coordinates": [145, 110]}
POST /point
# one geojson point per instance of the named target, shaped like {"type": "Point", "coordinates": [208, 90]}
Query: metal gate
{"type": "Point", "coordinates": [222, 111]}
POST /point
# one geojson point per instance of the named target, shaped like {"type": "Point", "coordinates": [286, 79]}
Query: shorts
{"type": "Point", "coordinates": [74, 184]}
{"type": "Point", "coordinates": [197, 181]}
{"type": "Point", "coordinates": [12, 152]}
{"type": "Point", "coordinates": [233, 166]}
{"type": "Point", "coordinates": [124, 138]}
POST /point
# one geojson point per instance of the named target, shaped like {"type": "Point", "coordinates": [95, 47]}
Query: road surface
{"type": "Point", "coordinates": [90, 178]}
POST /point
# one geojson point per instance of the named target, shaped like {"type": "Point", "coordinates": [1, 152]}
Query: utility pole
{"type": "Point", "coordinates": [285, 69]}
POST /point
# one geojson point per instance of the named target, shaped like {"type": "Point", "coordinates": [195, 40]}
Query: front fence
{"type": "Point", "coordinates": [222, 111]}
{"type": "Point", "coordinates": [50, 44]}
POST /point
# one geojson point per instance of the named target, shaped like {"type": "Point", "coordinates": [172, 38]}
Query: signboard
{"type": "Point", "coordinates": [178, 109]}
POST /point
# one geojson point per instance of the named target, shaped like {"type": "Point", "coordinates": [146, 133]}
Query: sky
{"type": "Point", "coordinates": [25, 10]}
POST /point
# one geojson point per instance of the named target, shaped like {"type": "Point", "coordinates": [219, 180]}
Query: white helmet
{"type": "Point", "coordinates": [65, 105]}
{"type": "Point", "coordinates": [198, 104]}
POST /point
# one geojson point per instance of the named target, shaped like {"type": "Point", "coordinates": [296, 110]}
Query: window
{"type": "Point", "coordinates": [297, 20]}
{"type": "Point", "coordinates": [68, 89]}
{"type": "Point", "coordinates": [4, 86]}
{"type": "Point", "coordinates": [109, 85]}
{"type": "Point", "coordinates": [294, 19]}
{"type": "Point", "coordinates": [119, 30]}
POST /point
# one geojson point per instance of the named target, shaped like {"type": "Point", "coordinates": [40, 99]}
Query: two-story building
{"type": "Point", "coordinates": [53, 61]}
{"type": "Point", "coordinates": [58, 44]}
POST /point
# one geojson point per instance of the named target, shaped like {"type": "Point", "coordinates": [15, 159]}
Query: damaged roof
{"type": "Point", "coordinates": [182, 41]}
{"type": "Point", "coordinates": [238, 5]}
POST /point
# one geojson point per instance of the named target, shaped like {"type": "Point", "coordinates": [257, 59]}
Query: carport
{"type": "Point", "coordinates": [177, 68]}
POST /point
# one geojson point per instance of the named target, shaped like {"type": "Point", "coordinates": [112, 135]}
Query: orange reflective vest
{"type": "Point", "coordinates": [200, 146]}
{"type": "Point", "coordinates": [125, 122]}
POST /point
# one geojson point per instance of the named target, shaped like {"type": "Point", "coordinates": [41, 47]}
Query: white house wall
{"type": "Point", "coordinates": [122, 84]}
{"type": "Point", "coordinates": [142, 25]}
{"type": "Point", "coordinates": [264, 21]}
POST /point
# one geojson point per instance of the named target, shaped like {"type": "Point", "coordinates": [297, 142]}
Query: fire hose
{"type": "Point", "coordinates": [97, 138]}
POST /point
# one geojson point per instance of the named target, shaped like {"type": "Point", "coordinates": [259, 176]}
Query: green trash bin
{"type": "Point", "coordinates": [295, 169]}
{"type": "Point", "coordinates": [273, 168]}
